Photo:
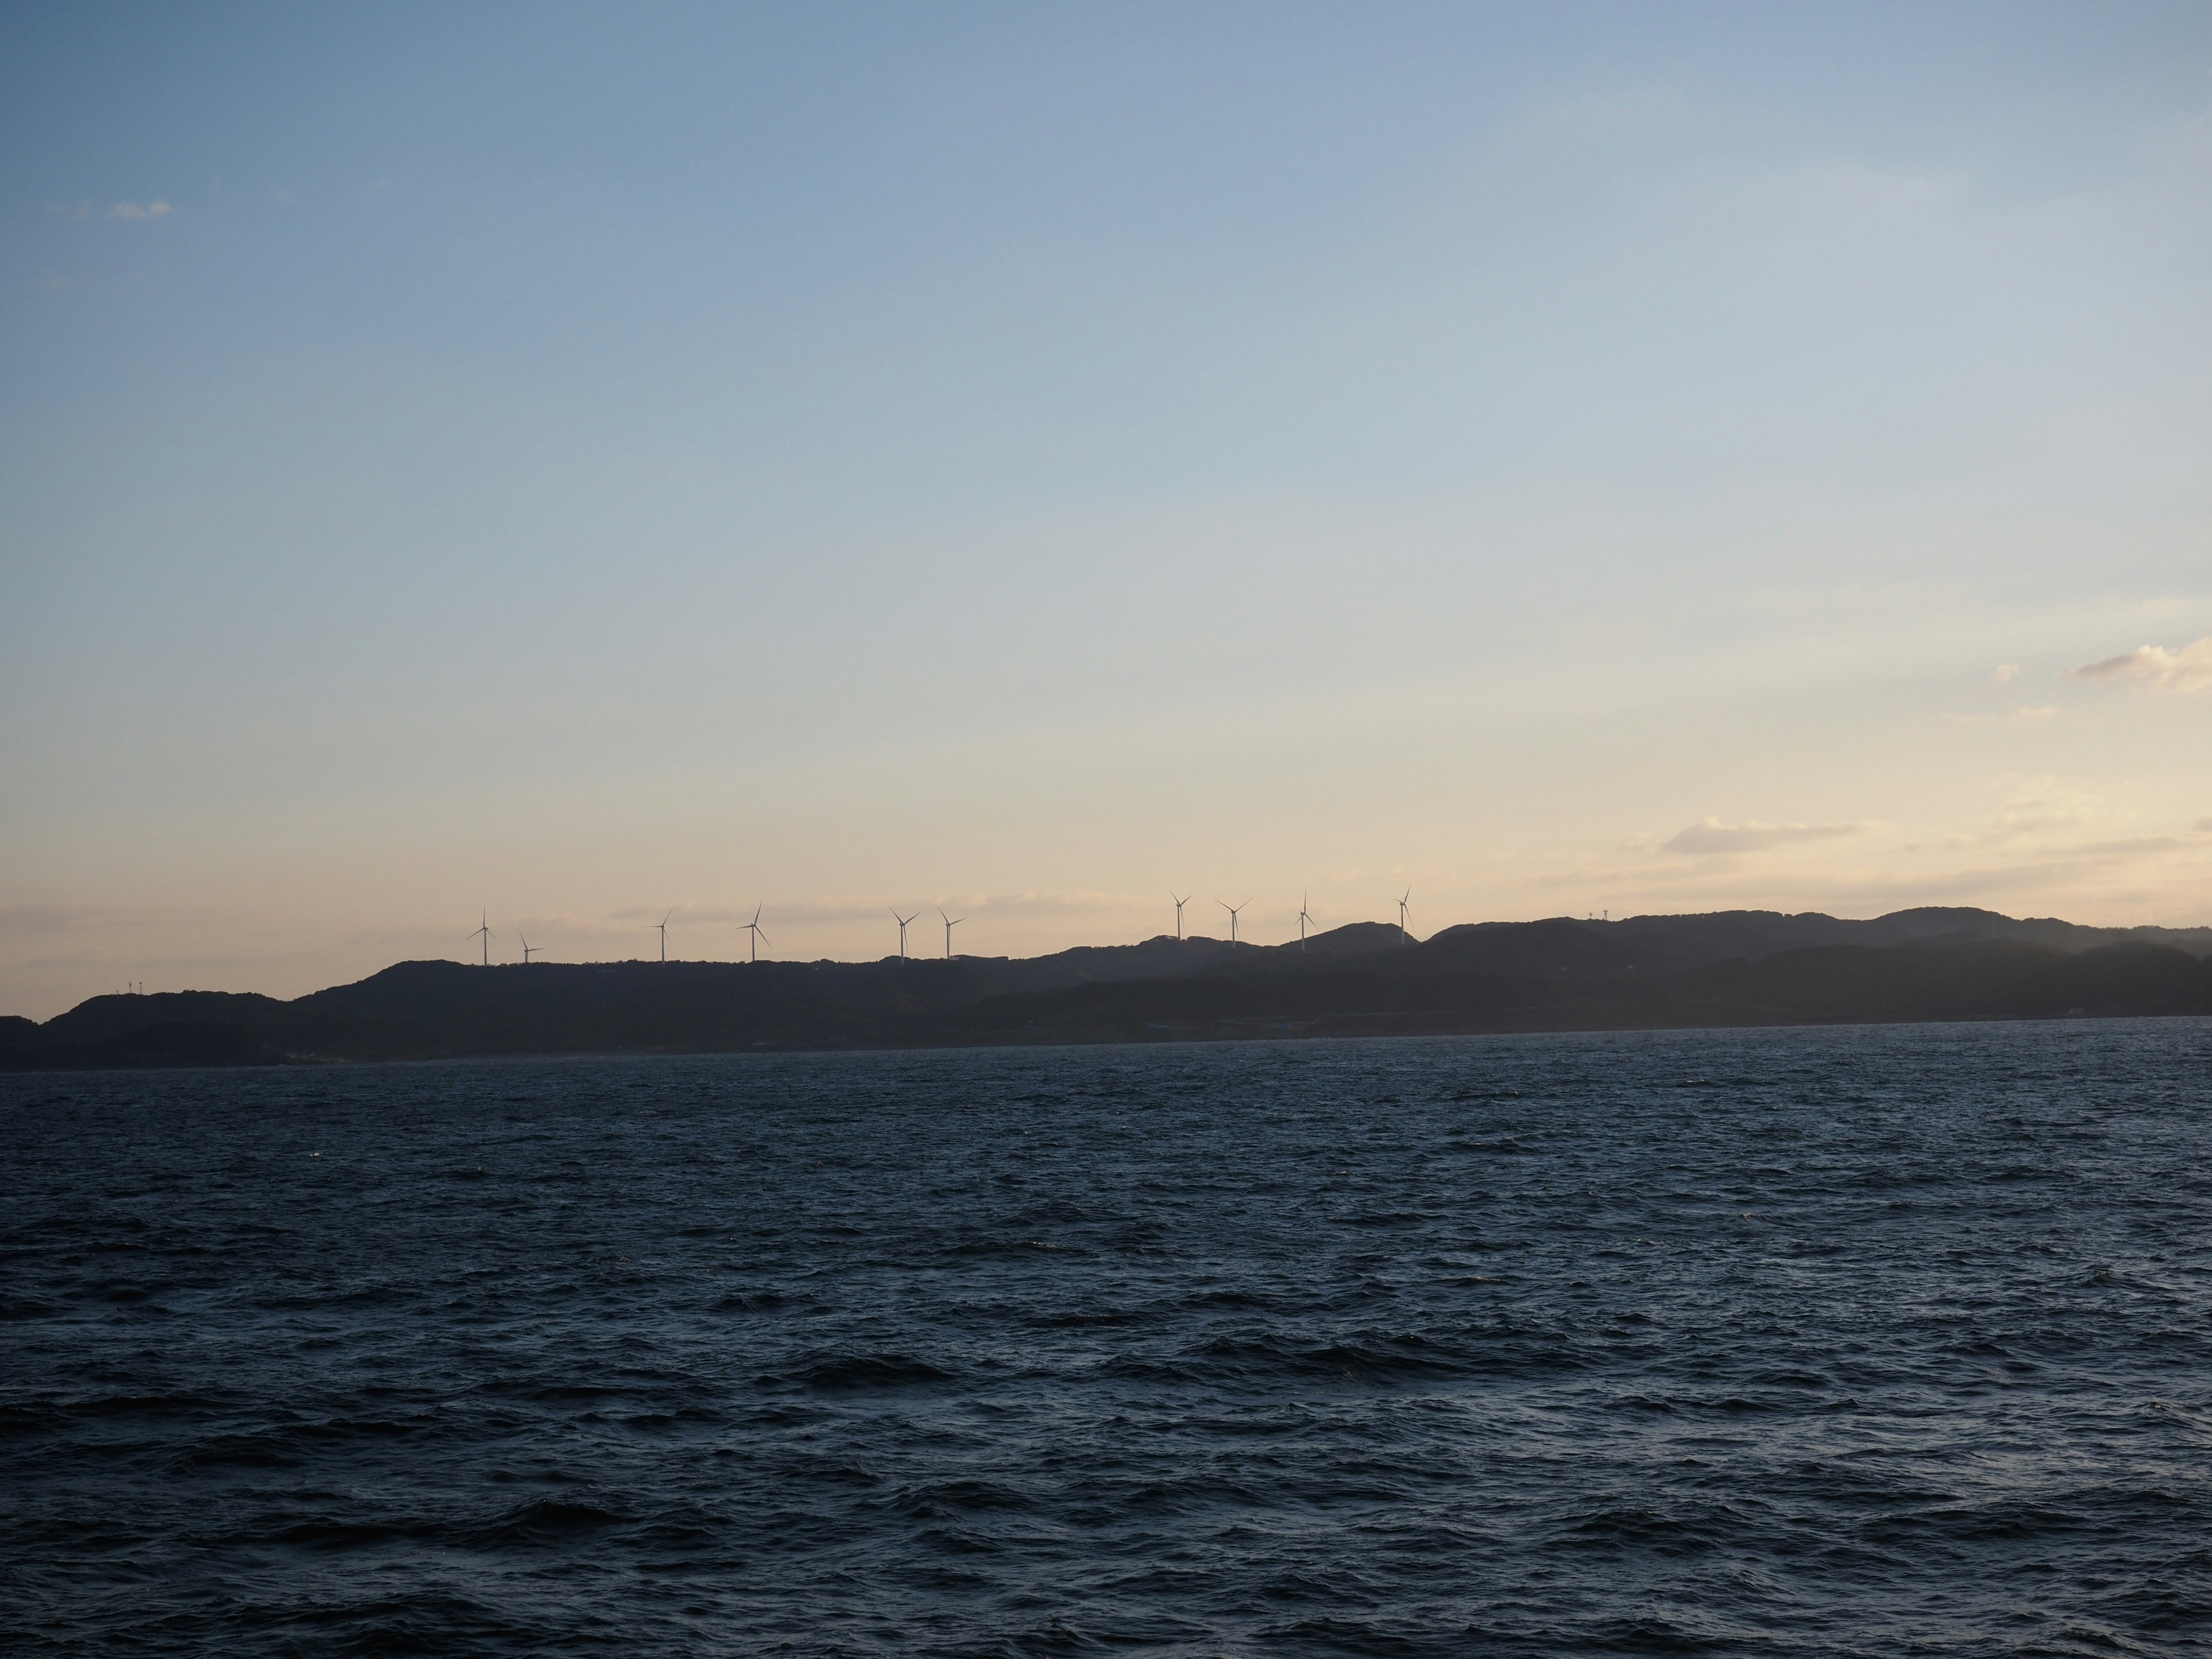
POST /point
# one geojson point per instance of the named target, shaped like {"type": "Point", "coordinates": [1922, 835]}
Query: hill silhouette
{"type": "Point", "coordinates": [1731, 968]}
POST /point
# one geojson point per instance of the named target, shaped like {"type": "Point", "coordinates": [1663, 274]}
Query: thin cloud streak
{"type": "Point", "coordinates": [1709, 837]}
{"type": "Point", "coordinates": [1066, 903]}
{"type": "Point", "coordinates": [39, 918]}
{"type": "Point", "coordinates": [2155, 668]}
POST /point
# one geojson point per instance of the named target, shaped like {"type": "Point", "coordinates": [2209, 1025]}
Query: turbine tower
{"type": "Point", "coordinates": [1232, 909]}
{"type": "Point", "coordinates": [902, 921]}
{"type": "Point", "coordinates": [662, 924]}
{"type": "Point", "coordinates": [1179, 904]}
{"type": "Point", "coordinates": [1404, 938]}
{"type": "Point", "coordinates": [484, 931]}
{"type": "Point", "coordinates": [528, 948]}
{"type": "Point", "coordinates": [951, 922]}
{"type": "Point", "coordinates": [1305, 916]}
{"type": "Point", "coordinates": [754, 928]}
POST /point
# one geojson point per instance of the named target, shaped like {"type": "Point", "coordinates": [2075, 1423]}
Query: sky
{"type": "Point", "coordinates": [573, 464]}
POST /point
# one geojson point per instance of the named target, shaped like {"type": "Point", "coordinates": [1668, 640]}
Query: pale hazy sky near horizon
{"type": "Point", "coordinates": [579, 461]}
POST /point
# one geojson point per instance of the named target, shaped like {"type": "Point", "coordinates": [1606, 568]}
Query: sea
{"type": "Point", "coordinates": [1888, 1340]}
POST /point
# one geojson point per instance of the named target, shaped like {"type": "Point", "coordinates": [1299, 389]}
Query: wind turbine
{"type": "Point", "coordinates": [1404, 938]}
{"type": "Point", "coordinates": [951, 922]}
{"type": "Point", "coordinates": [528, 948]}
{"type": "Point", "coordinates": [1179, 904]}
{"type": "Point", "coordinates": [754, 928]}
{"type": "Point", "coordinates": [902, 921]}
{"type": "Point", "coordinates": [1303, 918]}
{"type": "Point", "coordinates": [483, 930]}
{"type": "Point", "coordinates": [662, 924]}
{"type": "Point", "coordinates": [1232, 909]}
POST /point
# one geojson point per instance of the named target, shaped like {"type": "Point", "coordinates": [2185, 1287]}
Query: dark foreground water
{"type": "Point", "coordinates": [1877, 1342]}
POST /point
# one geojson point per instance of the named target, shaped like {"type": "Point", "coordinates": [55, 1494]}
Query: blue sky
{"type": "Point", "coordinates": [581, 463]}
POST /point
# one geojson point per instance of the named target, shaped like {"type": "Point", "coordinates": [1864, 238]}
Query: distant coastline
{"type": "Point", "coordinates": [1742, 968]}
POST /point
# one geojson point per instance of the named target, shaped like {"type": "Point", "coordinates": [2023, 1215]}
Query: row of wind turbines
{"type": "Point", "coordinates": [1305, 917]}
{"type": "Point", "coordinates": [757, 936]}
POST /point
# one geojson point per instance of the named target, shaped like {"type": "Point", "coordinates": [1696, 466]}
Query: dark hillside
{"type": "Point", "coordinates": [1727, 968]}
{"type": "Point", "coordinates": [1989, 979]}
{"type": "Point", "coordinates": [103, 1019]}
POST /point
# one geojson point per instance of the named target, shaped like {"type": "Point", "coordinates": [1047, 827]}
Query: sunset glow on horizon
{"type": "Point", "coordinates": [570, 465]}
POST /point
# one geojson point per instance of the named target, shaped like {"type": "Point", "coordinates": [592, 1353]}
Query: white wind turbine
{"type": "Point", "coordinates": [484, 931]}
{"type": "Point", "coordinates": [662, 924]}
{"type": "Point", "coordinates": [528, 948]}
{"type": "Point", "coordinates": [951, 922]}
{"type": "Point", "coordinates": [1404, 938]}
{"type": "Point", "coordinates": [754, 928]}
{"type": "Point", "coordinates": [1179, 903]}
{"type": "Point", "coordinates": [1232, 909]}
{"type": "Point", "coordinates": [1305, 916]}
{"type": "Point", "coordinates": [902, 921]}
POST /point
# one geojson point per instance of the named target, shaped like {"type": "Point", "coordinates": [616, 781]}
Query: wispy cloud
{"type": "Point", "coordinates": [2146, 872]}
{"type": "Point", "coordinates": [154, 209]}
{"type": "Point", "coordinates": [37, 918]}
{"type": "Point", "coordinates": [870, 910]}
{"type": "Point", "coordinates": [1710, 835]}
{"type": "Point", "coordinates": [2004, 672]}
{"type": "Point", "coordinates": [2155, 668]}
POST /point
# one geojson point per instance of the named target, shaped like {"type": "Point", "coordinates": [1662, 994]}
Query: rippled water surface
{"type": "Point", "coordinates": [1876, 1341]}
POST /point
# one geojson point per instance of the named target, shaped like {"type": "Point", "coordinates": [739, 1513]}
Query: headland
{"type": "Point", "coordinates": [1739, 968]}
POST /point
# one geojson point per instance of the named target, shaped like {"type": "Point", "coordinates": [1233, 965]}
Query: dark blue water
{"type": "Point", "coordinates": [1878, 1341]}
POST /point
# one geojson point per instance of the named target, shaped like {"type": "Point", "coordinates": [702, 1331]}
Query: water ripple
{"type": "Point", "coordinates": [1856, 1342]}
